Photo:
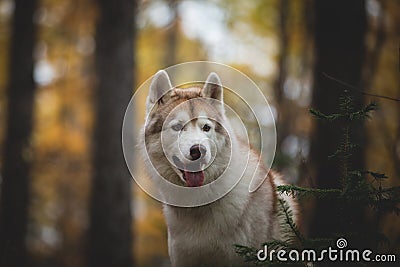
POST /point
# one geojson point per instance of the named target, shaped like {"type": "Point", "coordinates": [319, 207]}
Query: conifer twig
{"type": "Point", "coordinates": [354, 88]}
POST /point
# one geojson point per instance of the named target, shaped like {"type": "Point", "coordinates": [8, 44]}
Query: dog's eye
{"type": "Point", "coordinates": [177, 127]}
{"type": "Point", "coordinates": [206, 128]}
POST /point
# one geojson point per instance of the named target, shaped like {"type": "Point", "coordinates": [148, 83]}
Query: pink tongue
{"type": "Point", "coordinates": [194, 179]}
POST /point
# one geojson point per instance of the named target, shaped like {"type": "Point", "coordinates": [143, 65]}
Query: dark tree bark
{"type": "Point", "coordinates": [110, 236]}
{"type": "Point", "coordinates": [339, 28]}
{"type": "Point", "coordinates": [283, 124]}
{"type": "Point", "coordinates": [16, 170]}
{"type": "Point", "coordinates": [284, 45]}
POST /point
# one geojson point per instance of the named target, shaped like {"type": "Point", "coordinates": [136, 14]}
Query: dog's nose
{"type": "Point", "coordinates": [197, 151]}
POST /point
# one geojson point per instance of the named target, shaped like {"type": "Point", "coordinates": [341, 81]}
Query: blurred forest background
{"type": "Point", "coordinates": [69, 68]}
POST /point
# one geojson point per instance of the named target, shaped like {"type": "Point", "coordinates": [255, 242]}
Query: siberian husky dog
{"type": "Point", "coordinates": [197, 148]}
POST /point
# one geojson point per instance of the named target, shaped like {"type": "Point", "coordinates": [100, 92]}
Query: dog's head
{"type": "Point", "coordinates": [185, 131]}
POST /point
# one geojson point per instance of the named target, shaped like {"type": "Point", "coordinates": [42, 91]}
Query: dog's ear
{"type": "Point", "coordinates": [159, 86]}
{"type": "Point", "coordinates": [213, 88]}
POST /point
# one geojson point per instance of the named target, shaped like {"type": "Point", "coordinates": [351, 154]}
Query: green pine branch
{"type": "Point", "coordinates": [302, 192]}
{"type": "Point", "coordinates": [341, 152]}
{"type": "Point", "coordinates": [319, 115]}
{"type": "Point", "coordinates": [347, 115]}
{"type": "Point", "coordinates": [363, 113]}
{"type": "Point", "coordinates": [288, 219]}
{"type": "Point", "coordinates": [376, 175]}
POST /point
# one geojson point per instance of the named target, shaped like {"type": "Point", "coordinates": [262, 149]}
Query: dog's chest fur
{"type": "Point", "coordinates": [205, 236]}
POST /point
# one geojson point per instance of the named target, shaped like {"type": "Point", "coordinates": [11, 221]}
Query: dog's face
{"type": "Point", "coordinates": [185, 135]}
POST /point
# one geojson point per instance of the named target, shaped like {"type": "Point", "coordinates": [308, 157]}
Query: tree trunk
{"type": "Point", "coordinates": [340, 28]}
{"type": "Point", "coordinates": [283, 124]}
{"type": "Point", "coordinates": [172, 34]}
{"type": "Point", "coordinates": [16, 170]}
{"type": "Point", "coordinates": [110, 236]}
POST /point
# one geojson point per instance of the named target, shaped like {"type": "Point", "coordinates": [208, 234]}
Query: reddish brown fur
{"type": "Point", "coordinates": [176, 97]}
